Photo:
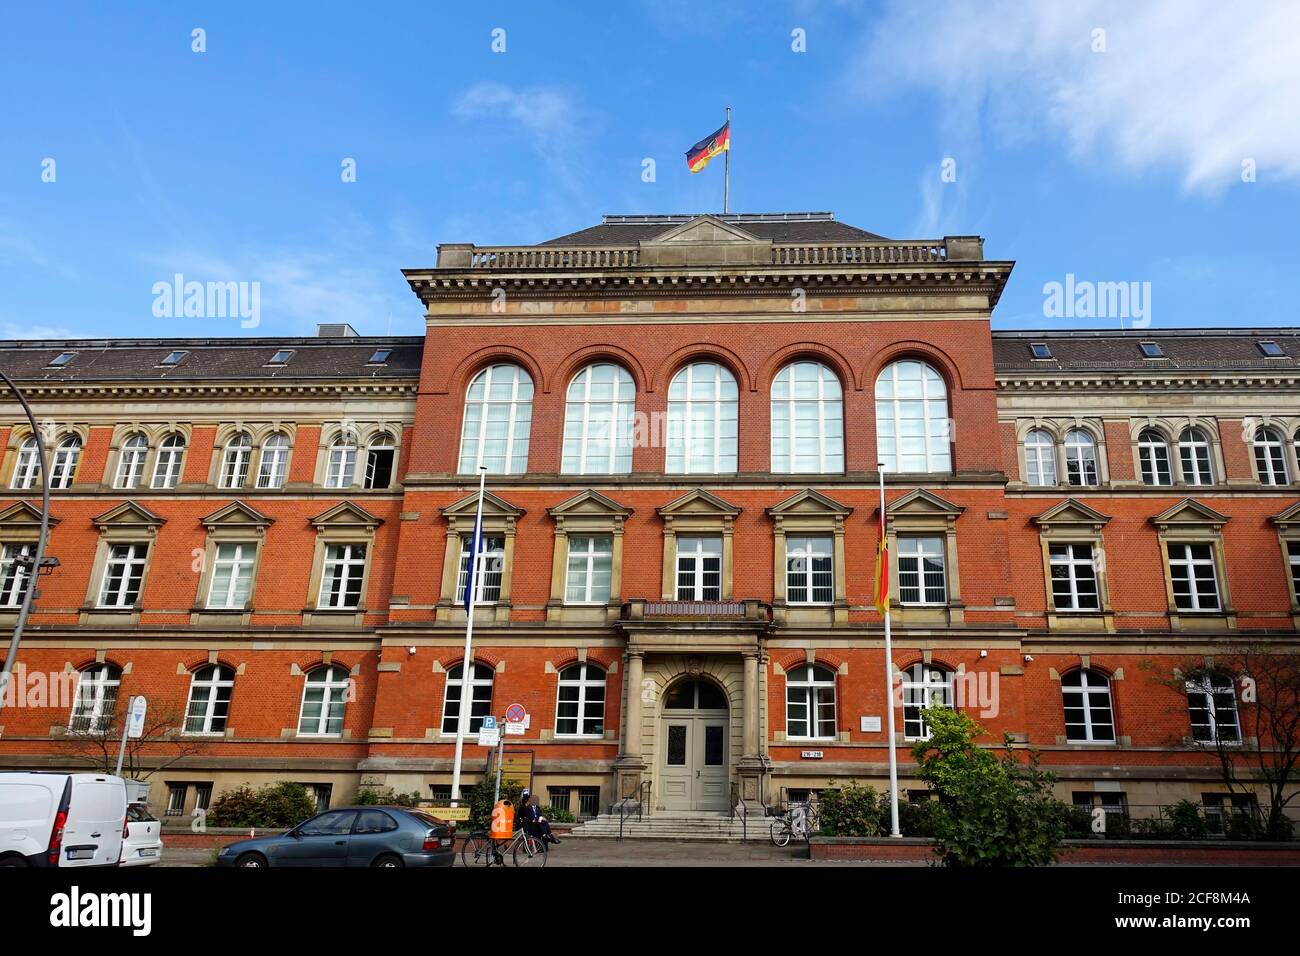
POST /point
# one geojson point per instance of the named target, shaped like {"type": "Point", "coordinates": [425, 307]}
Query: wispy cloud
{"type": "Point", "coordinates": [18, 330]}
{"type": "Point", "coordinates": [1195, 86]}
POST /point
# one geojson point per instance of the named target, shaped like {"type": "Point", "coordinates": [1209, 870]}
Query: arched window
{"type": "Point", "coordinates": [810, 702]}
{"type": "Point", "coordinates": [702, 420]}
{"type": "Point", "coordinates": [1212, 707]}
{"type": "Point", "coordinates": [924, 686]}
{"type": "Point", "coordinates": [167, 468]}
{"type": "Point", "coordinates": [807, 420]}
{"type": "Point", "coordinates": [1089, 717]}
{"type": "Point", "coordinates": [1270, 457]}
{"type": "Point", "coordinates": [498, 416]}
{"type": "Point", "coordinates": [209, 705]}
{"type": "Point", "coordinates": [381, 456]}
{"type": "Point", "coordinates": [274, 463]}
{"type": "Point", "coordinates": [234, 464]}
{"type": "Point", "coordinates": [28, 465]}
{"type": "Point", "coordinates": [912, 431]}
{"type": "Point", "coordinates": [324, 696]}
{"type": "Point", "coordinates": [96, 702]}
{"type": "Point", "coordinates": [1153, 457]}
{"type": "Point", "coordinates": [66, 457]}
{"type": "Point", "coordinates": [580, 707]}
{"type": "Point", "coordinates": [341, 468]}
{"type": "Point", "coordinates": [1194, 457]}
{"type": "Point", "coordinates": [598, 419]}
{"type": "Point", "coordinates": [130, 463]}
{"type": "Point", "coordinates": [480, 698]}
{"type": "Point", "coordinates": [1040, 458]}
{"type": "Point", "coordinates": [1080, 457]}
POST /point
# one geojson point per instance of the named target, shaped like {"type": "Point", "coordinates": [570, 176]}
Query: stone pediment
{"type": "Point", "coordinates": [127, 515]}
{"type": "Point", "coordinates": [705, 241]}
{"type": "Point", "coordinates": [588, 502]}
{"type": "Point", "coordinates": [698, 503]}
{"type": "Point", "coordinates": [1288, 519]}
{"type": "Point", "coordinates": [492, 505]}
{"type": "Point", "coordinates": [346, 515]}
{"type": "Point", "coordinates": [1070, 513]}
{"type": "Point", "coordinates": [921, 503]}
{"type": "Point", "coordinates": [21, 515]}
{"type": "Point", "coordinates": [236, 514]}
{"type": "Point", "coordinates": [809, 502]}
{"type": "Point", "coordinates": [707, 229]}
{"type": "Point", "coordinates": [1189, 513]}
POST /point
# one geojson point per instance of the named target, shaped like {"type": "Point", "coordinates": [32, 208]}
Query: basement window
{"type": "Point", "coordinates": [1151, 350]}
{"type": "Point", "coordinates": [1039, 350]}
{"type": "Point", "coordinates": [1271, 349]}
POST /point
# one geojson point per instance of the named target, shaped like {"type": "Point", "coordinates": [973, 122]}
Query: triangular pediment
{"type": "Point", "coordinates": [1071, 511]}
{"type": "Point", "coordinates": [492, 505]}
{"type": "Point", "coordinates": [236, 514]}
{"type": "Point", "coordinates": [705, 229]}
{"type": "Point", "coordinates": [128, 514]}
{"type": "Point", "coordinates": [345, 514]}
{"type": "Point", "coordinates": [1287, 519]}
{"type": "Point", "coordinates": [698, 502]}
{"type": "Point", "coordinates": [922, 502]}
{"type": "Point", "coordinates": [20, 514]}
{"type": "Point", "coordinates": [809, 502]}
{"type": "Point", "coordinates": [1189, 511]}
{"type": "Point", "coordinates": [588, 502]}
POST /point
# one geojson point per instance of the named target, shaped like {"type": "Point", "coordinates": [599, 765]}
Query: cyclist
{"type": "Point", "coordinates": [531, 819]}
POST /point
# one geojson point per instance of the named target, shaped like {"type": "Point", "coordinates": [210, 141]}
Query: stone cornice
{"type": "Point", "coordinates": [211, 389]}
{"type": "Point", "coordinates": [1121, 380]}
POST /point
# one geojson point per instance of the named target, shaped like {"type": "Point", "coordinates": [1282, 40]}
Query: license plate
{"type": "Point", "coordinates": [81, 853]}
{"type": "Point", "coordinates": [149, 852]}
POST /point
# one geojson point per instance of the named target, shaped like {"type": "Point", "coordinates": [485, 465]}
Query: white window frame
{"type": "Point", "coordinates": [15, 577]}
{"type": "Point", "coordinates": [1154, 462]}
{"type": "Point", "coordinates": [1081, 450]}
{"type": "Point", "coordinates": [587, 550]}
{"type": "Point", "coordinates": [1071, 562]}
{"type": "Point", "coordinates": [693, 552]}
{"type": "Point", "coordinates": [211, 679]}
{"type": "Point", "coordinates": [912, 550]}
{"type": "Point", "coordinates": [718, 411]}
{"type": "Point", "coordinates": [1185, 560]}
{"type": "Point", "coordinates": [1086, 692]}
{"type": "Point", "coordinates": [27, 466]}
{"type": "Point", "coordinates": [170, 461]}
{"type": "Point", "coordinates": [589, 415]}
{"type": "Point", "coordinates": [919, 695]}
{"type": "Point", "coordinates": [66, 458]}
{"type": "Point", "coordinates": [343, 565]}
{"type": "Point", "coordinates": [273, 464]}
{"type": "Point", "coordinates": [1270, 456]}
{"type": "Point", "coordinates": [808, 549]}
{"type": "Point", "coordinates": [1207, 687]}
{"type": "Point", "coordinates": [518, 417]}
{"type": "Point", "coordinates": [584, 682]}
{"type": "Point", "coordinates": [1040, 458]}
{"type": "Point", "coordinates": [804, 689]}
{"type": "Point", "coordinates": [133, 555]}
{"type": "Point", "coordinates": [96, 700]}
{"type": "Point", "coordinates": [935, 428]}
{"type": "Point", "coordinates": [494, 549]}
{"type": "Point", "coordinates": [334, 682]}
{"type": "Point", "coordinates": [829, 432]}
{"type": "Point", "coordinates": [476, 680]}
{"type": "Point", "coordinates": [241, 563]}
{"type": "Point", "coordinates": [235, 460]}
{"type": "Point", "coordinates": [1194, 448]}
{"type": "Point", "coordinates": [131, 461]}
{"type": "Point", "coordinates": [381, 441]}
{"type": "Point", "coordinates": [341, 463]}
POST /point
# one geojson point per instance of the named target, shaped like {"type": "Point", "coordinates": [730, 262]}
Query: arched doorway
{"type": "Point", "coordinates": [693, 746]}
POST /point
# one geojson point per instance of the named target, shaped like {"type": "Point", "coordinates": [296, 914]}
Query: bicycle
{"type": "Point", "coordinates": [480, 849]}
{"type": "Point", "coordinates": [801, 820]}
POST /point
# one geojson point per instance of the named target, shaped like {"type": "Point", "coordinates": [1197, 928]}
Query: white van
{"type": "Point", "coordinates": [61, 819]}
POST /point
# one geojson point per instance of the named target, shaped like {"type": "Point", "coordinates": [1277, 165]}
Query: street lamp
{"type": "Point", "coordinates": [37, 563]}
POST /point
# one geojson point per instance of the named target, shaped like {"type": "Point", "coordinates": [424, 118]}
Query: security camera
{"type": "Point", "coordinates": [410, 650]}
{"type": "Point", "coordinates": [984, 653]}
{"type": "Point", "coordinates": [1029, 658]}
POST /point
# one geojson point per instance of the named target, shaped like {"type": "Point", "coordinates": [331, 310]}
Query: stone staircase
{"type": "Point", "coordinates": [675, 825]}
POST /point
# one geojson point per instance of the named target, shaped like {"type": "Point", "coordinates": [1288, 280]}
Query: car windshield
{"type": "Point", "coordinates": [139, 814]}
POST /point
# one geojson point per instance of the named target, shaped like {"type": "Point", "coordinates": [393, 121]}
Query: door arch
{"type": "Point", "coordinates": [693, 736]}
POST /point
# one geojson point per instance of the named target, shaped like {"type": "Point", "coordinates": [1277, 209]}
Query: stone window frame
{"type": "Point", "coordinates": [235, 523]}
{"type": "Point", "coordinates": [20, 523]}
{"type": "Point", "coordinates": [697, 513]}
{"type": "Point", "coordinates": [154, 433]}
{"type": "Point", "coordinates": [127, 523]}
{"type": "Point", "coordinates": [1113, 677]}
{"type": "Point", "coordinates": [1190, 522]}
{"type": "Point", "coordinates": [258, 433]}
{"type": "Point", "coordinates": [1170, 438]}
{"type": "Point", "coordinates": [921, 514]}
{"type": "Point", "coordinates": [1058, 428]}
{"type": "Point", "coordinates": [20, 433]}
{"type": "Point", "coordinates": [588, 513]}
{"type": "Point", "coordinates": [1073, 522]}
{"type": "Point", "coordinates": [363, 433]}
{"type": "Point", "coordinates": [1287, 524]}
{"type": "Point", "coordinates": [500, 519]}
{"type": "Point", "coordinates": [345, 523]}
{"type": "Point", "coordinates": [809, 512]}
{"type": "Point", "coordinates": [1171, 429]}
{"type": "Point", "coordinates": [1287, 429]}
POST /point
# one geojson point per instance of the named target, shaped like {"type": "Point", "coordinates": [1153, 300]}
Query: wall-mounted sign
{"type": "Point", "coordinates": [451, 814]}
{"type": "Point", "coordinates": [517, 767]}
{"type": "Point", "coordinates": [489, 736]}
{"type": "Point", "coordinates": [870, 725]}
{"type": "Point", "coordinates": [811, 755]}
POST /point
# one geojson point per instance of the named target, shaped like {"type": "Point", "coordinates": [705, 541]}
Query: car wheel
{"type": "Point", "coordinates": [389, 860]}
{"type": "Point", "coordinates": [251, 860]}
{"type": "Point", "coordinates": [13, 862]}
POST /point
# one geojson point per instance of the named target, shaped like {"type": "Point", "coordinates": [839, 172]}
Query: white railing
{"type": "Point", "coordinates": [515, 258]}
{"type": "Point", "coordinates": [553, 257]}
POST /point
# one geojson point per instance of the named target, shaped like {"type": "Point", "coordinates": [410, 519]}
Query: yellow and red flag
{"type": "Point", "coordinates": [698, 156]}
{"type": "Point", "coordinates": [882, 569]}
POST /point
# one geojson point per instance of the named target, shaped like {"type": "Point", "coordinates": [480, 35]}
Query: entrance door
{"type": "Point", "coordinates": [693, 764]}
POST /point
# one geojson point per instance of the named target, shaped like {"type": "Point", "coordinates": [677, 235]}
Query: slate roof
{"type": "Point", "coordinates": [1184, 350]}
{"type": "Point", "coordinates": [779, 227]}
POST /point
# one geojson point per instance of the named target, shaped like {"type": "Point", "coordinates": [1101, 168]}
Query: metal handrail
{"type": "Point", "coordinates": [642, 800]}
{"type": "Point", "coordinates": [737, 804]}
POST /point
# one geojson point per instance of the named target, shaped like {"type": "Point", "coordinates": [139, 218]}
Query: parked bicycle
{"type": "Point", "coordinates": [480, 849]}
{"type": "Point", "coordinates": [800, 821]}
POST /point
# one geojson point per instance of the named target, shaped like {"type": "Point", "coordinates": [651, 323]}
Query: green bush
{"type": "Point", "coordinates": [479, 798]}
{"type": "Point", "coordinates": [854, 811]}
{"type": "Point", "coordinates": [277, 806]}
{"type": "Point", "coordinates": [558, 815]}
{"type": "Point", "coordinates": [387, 796]}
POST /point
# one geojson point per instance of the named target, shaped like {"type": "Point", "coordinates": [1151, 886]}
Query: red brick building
{"type": "Point", "coordinates": [682, 419]}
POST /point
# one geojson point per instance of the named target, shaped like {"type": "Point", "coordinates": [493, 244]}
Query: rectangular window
{"type": "Point", "coordinates": [281, 357]}
{"type": "Point", "coordinates": [62, 359]}
{"type": "Point", "coordinates": [1212, 708]}
{"type": "Point", "coordinates": [488, 579]}
{"type": "Point", "coordinates": [123, 575]}
{"type": "Point", "coordinates": [559, 798]}
{"type": "Point", "coordinates": [810, 575]}
{"type": "Point", "coordinates": [176, 793]}
{"type": "Point", "coordinates": [380, 356]}
{"type": "Point", "coordinates": [232, 575]}
{"type": "Point", "coordinates": [1272, 349]}
{"type": "Point", "coordinates": [699, 569]}
{"type": "Point", "coordinates": [345, 568]}
{"type": "Point", "coordinates": [921, 571]}
{"type": "Point", "coordinates": [588, 802]}
{"type": "Point", "coordinates": [1222, 808]}
{"type": "Point", "coordinates": [1040, 350]}
{"type": "Point", "coordinates": [174, 358]}
{"type": "Point", "coordinates": [202, 796]}
{"type": "Point", "coordinates": [1196, 585]}
{"type": "Point", "coordinates": [15, 573]}
{"type": "Point", "coordinates": [590, 567]}
{"type": "Point", "coordinates": [1152, 350]}
{"type": "Point", "coordinates": [1293, 560]}
{"type": "Point", "coordinates": [1074, 577]}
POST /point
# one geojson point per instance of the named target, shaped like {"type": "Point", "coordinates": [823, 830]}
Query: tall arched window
{"type": "Point", "coordinates": [234, 463]}
{"type": "Point", "coordinates": [912, 431]}
{"type": "Point", "coordinates": [807, 420]}
{"type": "Point", "coordinates": [1089, 717]}
{"type": "Point", "coordinates": [703, 404]}
{"type": "Point", "coordinates": [1194, 457]}
{"type": "Point", "coordinates": [924, 686]}
{"type": "Point", "coordinates": [28, 465]}
{"type": "Point", "coordinates": [341, 467]}
{"type": "Point", "coordinates": [480, 698]}
{"type": "Point", "coordinates": [167, 467]}
{"type": "Point", "coordinates": [209, 704]}
{"type": "Point", "coordinates": [810, 702]}
{"type": "Point", "coordinates": [324, 696]}
{"type": "Point", "coordinates": [598, 419]}
{"type": "Point", "coordinates": [1153, 458]}
{"type": "Point", "coordinates": [1270, 457]}
{"type": "Point", "coordinates": [130, 462]}
{"type": "Point", "coordinates": [274, 463]}
{"type": "Point", "coordinates": [381, 457]}
{"type": "Point", "coordinates": [498, 416]}
{"type": "Point", "coordinates": [580, 707]}
{"type": "Point", "coordinates": [1040, 458]}
{"type": "Point", "coordinates": [1080, 457]}
{"type": "Point", "coordinates": [96, 701]}
{"type": "Point", "coordinates": [66, 457]}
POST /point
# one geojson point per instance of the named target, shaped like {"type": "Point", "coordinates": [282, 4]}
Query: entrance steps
{"type": "Point", "coordinates": [675, 825]}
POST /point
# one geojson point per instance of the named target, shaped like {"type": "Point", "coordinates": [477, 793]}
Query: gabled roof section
{"type": "Point", "coordinates": [809, 502]}
{"type": "Point", "coordinates": [772, 226]}
{"type": "Point", "coordinates": [698, 502]}
{"type": "Point", "coordinates": [1288, 519]}
{"type": "Point", "coordinates": [20, 514]}
{"type": "Point", "coordinates": [492, 505]}
{"type": "Point", "coordinates": [922, 502]}
{"type": "Point", "coordinates": [236, 514]}
{"type": "Point", "coordinates": [1189, 513]}
{"type": "Point", "coordinates": [346, 514]}
{"type": "Point", "coordinates": [1070, 512]}
{"type": "Point", "coordinates": [708, 229]}
{"type": "Point", "coordinates": [588, 502]}
{"type": "Point", "coordinates": [128, 514]}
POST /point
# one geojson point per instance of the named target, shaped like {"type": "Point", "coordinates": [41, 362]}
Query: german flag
{"type": "Point", "coordinates": [698, 156]}
{"type": "Point", "coordinates": [882, 569]}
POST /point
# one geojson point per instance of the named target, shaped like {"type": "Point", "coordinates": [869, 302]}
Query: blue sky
{"type": "Point", "coordinates": [1116, 164]}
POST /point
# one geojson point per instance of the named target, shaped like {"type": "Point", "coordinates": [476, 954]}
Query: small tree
{"type": "Point", "coordinates": [160, 745]}
{"type": "Point", "coordinates": [991, 811]}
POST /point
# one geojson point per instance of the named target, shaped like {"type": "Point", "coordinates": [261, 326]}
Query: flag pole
{"type": "Point", "coordinates": [889, 671]}
{"type": "Point", "coordinates": [467, 662]}
{"type": "Point", "coordinates": [726, 175]}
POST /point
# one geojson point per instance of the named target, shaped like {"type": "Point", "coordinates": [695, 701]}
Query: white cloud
{"type": "Point", "coordinates": [547, 114]}
{"type": "Point", "coordinates": [15, 330]}
{"type": "Point", "coordinates": [1196, 86]}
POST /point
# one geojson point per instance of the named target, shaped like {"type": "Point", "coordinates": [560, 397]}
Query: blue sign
{"type": "Point", "coordinates": [489, 722]}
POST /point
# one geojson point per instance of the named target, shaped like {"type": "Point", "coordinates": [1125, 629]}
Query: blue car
{"type": "Point", "coordinates": [352, 836]}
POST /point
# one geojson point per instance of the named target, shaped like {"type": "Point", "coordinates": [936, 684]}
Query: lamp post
{"type": "Point", "coordinates": [38, 559]}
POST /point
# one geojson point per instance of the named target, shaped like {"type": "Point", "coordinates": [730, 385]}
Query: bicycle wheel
{"type": "Point", "coordinates": [530, 852]}
{"type": "Point", "coordinates": [780, 833]}
{"type": "Point", "coordinates": [477, 850]}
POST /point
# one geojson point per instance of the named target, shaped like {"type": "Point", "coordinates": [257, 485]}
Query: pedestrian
{"type": "Point", "coordinates": [534, 823]}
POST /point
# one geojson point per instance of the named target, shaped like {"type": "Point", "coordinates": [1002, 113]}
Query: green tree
{"type": "Point", "coordinates": [278, 805]}
{"type": "Point", "coordinates": [992, 810]}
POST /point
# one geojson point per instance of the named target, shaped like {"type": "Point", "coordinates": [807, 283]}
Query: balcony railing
{"type": "Point", "coordinates": [747, 610]}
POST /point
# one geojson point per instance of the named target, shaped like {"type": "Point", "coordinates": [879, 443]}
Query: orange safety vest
{"type": "Point", "coordinates": [503, 821]}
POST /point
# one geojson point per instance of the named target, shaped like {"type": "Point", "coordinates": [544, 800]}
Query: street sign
{"type": "Point", "coordinates": [516, 714]}
{"type": "Point", "coordinates": [811, 754]}
{"type": "Point", "coordinates": [489, 737]}
{"type": "Point", "coordinates": [489, 722]}
{"type": "Point", "coordinates": [515, 729]}
{"type": "Point", "coordinates": [451, 814]}
{"type": "Point", "coordinates": [135, 721]}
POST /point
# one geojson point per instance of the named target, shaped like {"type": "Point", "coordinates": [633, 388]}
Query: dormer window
{"type": "Point", "coordinates": [62, 359]}
{"type": "Point", "coordinates": [174, 358]}
{"type": "Point", "coordinates": [1151, 350]}
{"type": "Point", "coordinates": [1271, 349]}
{"type": "Point", "coordinates": [281, 357]}
{"type": "Point", "coordinates": [380, 356]}
{"type": "Point", "coordinates": [1039, 350]}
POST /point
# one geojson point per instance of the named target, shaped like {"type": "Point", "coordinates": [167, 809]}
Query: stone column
{"type": "Point", "coordinates": [630, 764]}
{"type": "Point", "coordinates": [753, 764]}
{"type": "Point", "coordinates": [751, 705]}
